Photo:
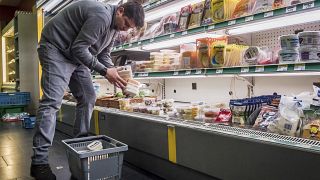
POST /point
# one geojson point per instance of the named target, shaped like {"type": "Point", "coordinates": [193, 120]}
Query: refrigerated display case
{"type": "Point", "coordinates": [8, 58]}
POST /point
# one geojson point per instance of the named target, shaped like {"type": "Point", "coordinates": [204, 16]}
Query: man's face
{"type": "Point", "coordinates": [122, 22]}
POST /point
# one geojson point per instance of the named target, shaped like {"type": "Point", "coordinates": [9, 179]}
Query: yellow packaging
{"type": "Point", "coordinates": [222, 10]}
{"type": "Point", "coordinates": [234, 55]}
{"type": "Point", "coordinates": [312, 130]}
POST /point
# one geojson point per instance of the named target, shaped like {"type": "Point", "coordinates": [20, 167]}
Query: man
{"type": "Point", "coordinates": [74, 42]}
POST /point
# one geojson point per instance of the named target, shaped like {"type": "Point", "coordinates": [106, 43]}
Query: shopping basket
{"type": "Point", "coordinates": [101, 164]}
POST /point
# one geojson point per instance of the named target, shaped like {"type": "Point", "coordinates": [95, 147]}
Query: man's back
{"type": "Point", "coordinates": [64, 28]}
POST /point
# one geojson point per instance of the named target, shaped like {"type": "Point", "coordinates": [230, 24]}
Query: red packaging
{"type": "Point", "coordinates": [224, 117]}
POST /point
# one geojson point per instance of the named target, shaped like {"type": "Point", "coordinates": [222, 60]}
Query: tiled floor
{"type": "Point", "coordinates": [16, 150]}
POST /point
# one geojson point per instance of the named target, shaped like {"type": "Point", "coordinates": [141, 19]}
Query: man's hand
{"type": "Point", "coordinates": [114, 78]}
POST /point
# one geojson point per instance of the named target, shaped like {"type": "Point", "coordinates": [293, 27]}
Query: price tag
{"type": "Point", "coordinates": [188, 72]}
{"type": "Point", "coordinates": [143, 75]}
{"type": "Point", "coordinates": [282, 68]}
{"type": "Point", "coordinates": [308, 5]}
{"type": "Point", "coordinates": [151, 40]}
{"type": "Point", "coordinates": [268, 14]}
{"type": "Point", "coordinates": [172, 35]}
{"type": "Point", "coordinates": [184, 33]}
{"type": "Point", "coordinates": [291, 9]}
{"type": "Point", "coordinates": [299, 67]}
{"type": "Point", "coordinates": [198, 72]}
{"type": "Point", "coordinates": [176, 73]}
{"type": "Point", "coordinates": [139, 42]}
{"type": "Point", "coordinates": [231, 22]}
{"type": "Point", "coordinates": [247, 19]}
{"type": "Point", "coordinates": [245, 70]}
{"type": "Point", "coordinates": [259, 69]}
{"type": "Point", "coordinates": [219, 71]}
{"type": "Point", "coordinates": [130, 45]}
{"type": "Point", "coordinates": [211, 27]}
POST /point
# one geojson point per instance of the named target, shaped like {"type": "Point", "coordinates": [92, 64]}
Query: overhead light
{"type": "Point", "coordinates": [51, 4]}
{"type": "Point", "coordinates": [4, 69]}
{"type": "Point", "coordinates": [177, 41]}
{"type": "Point", "coordinates": [283, 21]}
{"type": "Point", "coordinates": [61, 6]}
{"type": "Point", "coordinates": [167, 9]}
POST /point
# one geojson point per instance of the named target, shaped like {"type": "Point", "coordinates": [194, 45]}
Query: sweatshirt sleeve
{"type": "Point", "coordinates": [91, 31]}
{"type": "Point", "coordinates": [104, 57]}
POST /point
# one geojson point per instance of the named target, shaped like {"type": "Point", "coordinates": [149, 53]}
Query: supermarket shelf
{"type": "Point", "coordinates": [272, 70]}
{"type": "Point", "coordinates": [248, 134]}
{"type": "Point", "coordinates": [222, 27]}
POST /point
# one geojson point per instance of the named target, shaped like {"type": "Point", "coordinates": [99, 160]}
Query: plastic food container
{"type": "Point", "coordinates": [310, 39]}
{"type": "Point", "coordinates": [290, 41]}
{"type": "Point", "coordinates": [288, 56]}
{"type": "Point", "coordinates": [309, 54]}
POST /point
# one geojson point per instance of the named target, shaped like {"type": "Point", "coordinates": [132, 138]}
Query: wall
{"type": "Point", "coordinates": [216, 89]}
{"type": "Point", "coordinates": [26, 5]}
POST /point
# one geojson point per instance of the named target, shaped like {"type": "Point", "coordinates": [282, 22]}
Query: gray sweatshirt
{"type": "Point", "coordinates": [84, 33]}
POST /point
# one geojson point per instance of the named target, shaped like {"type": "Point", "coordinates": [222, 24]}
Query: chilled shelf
{"type": "Point", "coordinates": [297, 14]}
{"type": "Point", "coordinates": [273, 70]}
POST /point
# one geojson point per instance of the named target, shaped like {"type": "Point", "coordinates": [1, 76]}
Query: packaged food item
{"type": "Point", "coordinates": [218, 8]}
{"type": "Point", "coordinates": [238, 113]}
{"type": "Point", "coordinates": [262, 6]}
{"type": "Point", "coordinates": [188, 56]}
{"type": "Point", "coordinates": [170, 24]}
{"type": "Point", "coordinates": [257, 55]}
{"type": "Point", "coordinates": [125, 72]}
{"type": "Point", "coordinates": [184, 112]}
{"type": "Point", "coordinates": [234, 55]}
{"type": "Point", "coordinates": [195, 17]}
{"type": "Point", "coordinates": [290, 41]}
{"type": "Point", "coordinates": [132, 88]}
{"type": "Point", "coordinates": [184, 17]}
{"type": "Point", "coordinates": [308, 54]}
{"type": "Point", "coordinates": [311, 130]}
{"type": "Point", "coordinates": [166, 25]}
{"type": "Point", "coordinates": [218, 55]}
{"type": "Point", "coordinates": [309, 39]}
{"type": "Point", "coordinates": [278, 4]}
{"type": "Point", "coordinates": [194, 110]}
{"type": "Point", "coordinates": [288, 122]}
{"type": "Point", "coordinates": [243, 8]}
{"type": "Point", "coordinates": [207, 13]}
{"type": "Point", "coordinates": [288, 56]}
{"type": "Point", "coordinates": [210, 51]}
{"type": "Point", "coordinates": [224, 117]}
{"type": "Point", "coordinates": [143, 66]}
{"type": "Point", "coordinates": [267, 115]}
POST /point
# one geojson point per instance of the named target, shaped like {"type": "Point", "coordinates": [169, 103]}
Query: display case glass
{"type": "Point", "coordinates": [8, 56]}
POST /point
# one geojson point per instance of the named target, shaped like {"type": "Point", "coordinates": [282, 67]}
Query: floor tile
{"type": "Point", "coordinates": [16, 151]}
{"type": "Point", "coordinates": [2, 163]}
{"type": "Point", "coordinates": [4, 151]}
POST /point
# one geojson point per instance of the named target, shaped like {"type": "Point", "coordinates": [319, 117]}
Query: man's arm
{"type": "Point", "coordinates": [104, 56]}
{"type": "Point", "coordinates": [91, 31]}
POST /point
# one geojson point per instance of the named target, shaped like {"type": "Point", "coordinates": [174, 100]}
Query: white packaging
{"type": "Point", "coordinates": [288, 56]}
{"type": "Point", "coordinates": [309, 39]}
{"type": "Point", "coordinates": [290, 41]}
{"type": "Point", "coordinates": [308, 54]}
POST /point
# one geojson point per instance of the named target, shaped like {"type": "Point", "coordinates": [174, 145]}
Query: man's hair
{"type": "Point", "coordinates": [134, 11]}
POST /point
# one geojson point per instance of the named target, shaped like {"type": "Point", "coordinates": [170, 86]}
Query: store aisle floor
{"type": "Point", "coordinates": [16, 150]}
